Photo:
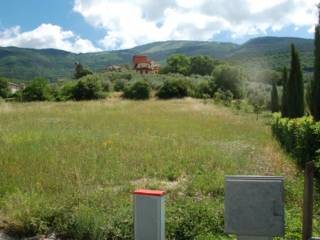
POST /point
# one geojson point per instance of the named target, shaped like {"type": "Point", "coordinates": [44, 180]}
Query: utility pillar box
{"type": "Point", "coordinates": [149, 215]}
{"type": "Point", "coordinates": [254, 207]}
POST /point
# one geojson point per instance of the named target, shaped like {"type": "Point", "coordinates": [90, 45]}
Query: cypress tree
{"type": "Point", "coordinates": [295, 87]}
{"type": "Point", "coordinates": [284, 104]}
{"type": "Point", "coordinates": [315, 84]}
{"type": "Point", "coordinates": [274, 98]}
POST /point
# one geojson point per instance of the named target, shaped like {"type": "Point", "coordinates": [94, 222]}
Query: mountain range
{"type": "Point", "coordinates": [21, 64]}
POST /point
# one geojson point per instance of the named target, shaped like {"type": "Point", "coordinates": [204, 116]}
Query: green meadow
{"type": "Point", "coordinates": [70, 168]}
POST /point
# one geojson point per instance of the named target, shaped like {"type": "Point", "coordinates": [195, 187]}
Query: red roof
{"type": "Point", "coordinates": [140, 59]}
{"type": "Point", "coordinates": [149, 192]}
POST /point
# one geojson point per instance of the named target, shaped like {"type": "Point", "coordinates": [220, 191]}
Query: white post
{"type": "Point", "coordinates": [149, 215]}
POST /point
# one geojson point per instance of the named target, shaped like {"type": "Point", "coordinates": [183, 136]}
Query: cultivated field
{"type": "Point", "coordinates": [70, 167]}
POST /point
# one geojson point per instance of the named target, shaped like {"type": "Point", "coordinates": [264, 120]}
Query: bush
{"type": "Point", "coordinates": [38, 90]}
{"type": "Point", "coordinates": [229, 78]}
{"type": "Point", "coordinates": [63, 90]}
{"type": "Point", "coordinates": [120, 75]}
{"type": "Point", "coordinates": [4, 87]}
{"type": "Point", "coordinates": [300, 137]}
{"type": "Point", "coordinates": [174, 88]}
{"type": "Point", "coordinates": [205, 89]}
{"type": "Point", "coordinates": [223, 96]}
{"type": "Point", "coordinates": [88, 88]}
{"type": "Point", "coordinates": [188, 219]}
{"type": "Point", "coordinates": [80, 71]}
{"type": "Point", "coordinates": [106, 86]}
{"type": "Point", "coordinates": [67, 90]}
{"type": "Point", "coordinates": [119, 85]}
{"type": "Point", "coordinates": [138, 90]}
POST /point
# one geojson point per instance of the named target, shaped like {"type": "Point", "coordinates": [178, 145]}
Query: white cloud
{"type": "Point", "coordinates": [46, 36]}
{"type": "Point", "coordinates": [132, 22]}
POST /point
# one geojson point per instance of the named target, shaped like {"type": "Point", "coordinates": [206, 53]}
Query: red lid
{"type": "Point", "coordinates": [149, 192]}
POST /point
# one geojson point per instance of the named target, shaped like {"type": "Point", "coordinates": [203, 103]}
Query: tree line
{"type": "Point", "coordinates": [298, 134]}
{"type": "Point", "coordinates": [294, 97]}
{"type": "Point", "coordinates": [198, 76]}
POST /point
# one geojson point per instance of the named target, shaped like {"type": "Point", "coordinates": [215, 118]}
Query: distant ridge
{"type": "Point", "coordinates": [22, 64]}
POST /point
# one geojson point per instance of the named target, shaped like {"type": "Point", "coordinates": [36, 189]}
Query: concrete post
{"type": "Point", "coordinates": [149, 215]}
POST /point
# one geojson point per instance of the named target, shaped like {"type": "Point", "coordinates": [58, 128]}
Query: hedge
{"type": "Point", "coordinates": [300, 137]}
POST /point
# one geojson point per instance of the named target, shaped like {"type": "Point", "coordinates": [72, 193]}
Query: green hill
{"type": "Point", "coordinates": [268, 52]}
{"type": "Point", "coordinates": [272, 52]}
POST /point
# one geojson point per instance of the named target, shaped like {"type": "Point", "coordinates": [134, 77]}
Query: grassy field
{"type": "Point", "coordinates": [70, 167]}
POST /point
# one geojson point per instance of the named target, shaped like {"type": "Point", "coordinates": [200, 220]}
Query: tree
{"type": "Point", "coordinates": [88, 88]}
{"type": "Point", "coordinates": [295, 87]}
{"type": "Point", "coordinates": [284, 102]}
{"type": "Point", "coordinates": [229, 78]}
{"type": "Point", "coordinates": [266, 76]}
{"type": "Point", "coordinates": [4, 87]}
{"type": "Point", "coordinates": [315, 84]}
{"type": "Point", "coordinates": [37, 90]}
{"type": "Point", "coordinates": [201, 65]}
{"type": "Point", "coordinates": [178, 63]}
{"type": "Point", "coordinates": [80, 71]}
{"type": "Point", "coordinates": [257, 100]}
{"type": "Point", "coordinates": [274, 98]}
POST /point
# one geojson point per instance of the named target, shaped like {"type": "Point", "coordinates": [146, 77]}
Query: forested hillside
{"type": "Point", "coordinates": [267, 52]}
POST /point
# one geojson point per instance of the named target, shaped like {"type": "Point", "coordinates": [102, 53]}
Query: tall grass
{"type": "Point", "coordinates": [70, 168]}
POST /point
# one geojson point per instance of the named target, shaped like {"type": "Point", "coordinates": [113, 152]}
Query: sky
{"type": "Point", "coordinates": [82, 26]}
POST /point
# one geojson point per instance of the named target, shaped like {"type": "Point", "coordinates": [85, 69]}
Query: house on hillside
{"type": "Point", "coordinates": [16, 87]}
{"type": "Point", "coordinates": [114, 68]}
{"type": "Point", "coordinates": [143, 64]}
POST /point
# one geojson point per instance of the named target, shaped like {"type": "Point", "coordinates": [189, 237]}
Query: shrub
{"type": "Point", "coordinates": [37, 90]}
{"type": "Point", "coordinates": [33, 213]}
{"type": "Point", "coordinates": [67, 90]}
{"type": "Point", "coordinates": [175, 88]}
{"type": "Point", "coordinates": [119, 85]}
{"type": "Point", "coordinates": [188, 219]}
{"type": "Point", "coordinates": [225, 97]}
{"type": "Point", "coordinates": [229, 78]}
{"type": "Point", "coordinates": [63, 90]}
{"type": "Point", "coordinates": [4, 87]}
{"type": "Point", "coordinates": [300, 137]}
{"type": "Point", "coordinates": [80, 71]}
{"type": "Point", "coordinates": [120, 75]}
{"type": "Point", "coordinates": [106, 86]}
{"type": "Point", "coordinates": [205, 89]}
{"type": "Point", "coordinates": [88, 88]}
{"type": "Point", "coordinates": [55, 92]}
{"type": "Point", "coordinates": [138, 90]}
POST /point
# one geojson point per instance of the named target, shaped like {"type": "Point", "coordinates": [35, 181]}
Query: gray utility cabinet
{"type": "Point", "coordinates": [254, 207]}
{"type": "Point", "coordinates": [149, 215]}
